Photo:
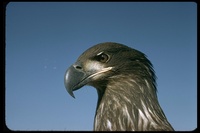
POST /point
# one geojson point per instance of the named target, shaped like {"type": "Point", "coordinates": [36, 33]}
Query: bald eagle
{"type": "Point", "coordinates": [126, 85]}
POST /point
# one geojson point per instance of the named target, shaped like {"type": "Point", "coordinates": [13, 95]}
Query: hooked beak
{"type": "Point", "coordinates": [76, 77]}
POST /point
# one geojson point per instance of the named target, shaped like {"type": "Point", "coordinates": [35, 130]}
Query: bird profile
{"type": "Point", "coordinates": [126, 85]}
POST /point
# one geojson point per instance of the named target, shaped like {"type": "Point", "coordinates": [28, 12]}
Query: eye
{"type": "Point", "coordinates": [102, 57]}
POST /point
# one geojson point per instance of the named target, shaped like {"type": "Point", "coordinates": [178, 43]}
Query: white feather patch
{"type": "Point", "coordinates": [109, 125]}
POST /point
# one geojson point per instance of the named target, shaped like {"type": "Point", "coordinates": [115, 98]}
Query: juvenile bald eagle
{"type": "Point", "coordinates": [126, 84]}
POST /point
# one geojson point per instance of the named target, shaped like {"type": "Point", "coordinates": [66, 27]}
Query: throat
{"type": "Point", "coordinates": [114, 110]}
{"type": "Point", "coordinates": [128, 106]}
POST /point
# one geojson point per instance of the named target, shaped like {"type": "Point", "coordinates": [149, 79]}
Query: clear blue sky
{"type": "Point", "coordinates": [44, 39]}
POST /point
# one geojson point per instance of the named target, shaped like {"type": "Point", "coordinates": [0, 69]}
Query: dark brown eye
{"type": "Point", "coordinates": [102, 57]}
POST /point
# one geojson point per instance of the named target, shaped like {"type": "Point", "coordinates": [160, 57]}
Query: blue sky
{"type": "Point", "coordinates": [44, 39]}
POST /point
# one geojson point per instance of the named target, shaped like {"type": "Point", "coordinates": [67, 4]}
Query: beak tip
{"type": "Point", "coordinates": [70, 91]}
{"type": "Point", "coordinates": [72, 94]}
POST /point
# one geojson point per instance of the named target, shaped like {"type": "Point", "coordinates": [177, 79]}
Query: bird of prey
{"type": "Point", "coordinates": [126, 85]}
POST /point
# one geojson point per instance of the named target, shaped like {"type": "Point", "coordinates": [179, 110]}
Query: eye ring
{"type": "Point", "coordinates": [102, 57]}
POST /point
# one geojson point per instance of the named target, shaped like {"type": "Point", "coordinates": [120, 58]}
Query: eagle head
{"type": "Point", "coordinates": [126, 86]}
{"type": "Point", "coordinates": [105, 61]}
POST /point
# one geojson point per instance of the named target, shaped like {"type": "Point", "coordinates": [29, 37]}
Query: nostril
{"type": "Point", "coordinates": [78, 67]}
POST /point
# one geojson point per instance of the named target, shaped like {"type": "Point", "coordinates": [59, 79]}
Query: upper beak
{"type": "Point", "coordinates": [74, 79]}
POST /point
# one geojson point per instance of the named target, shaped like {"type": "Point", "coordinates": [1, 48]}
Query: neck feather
{"type": "Point", "coordinates": [129, 104]}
